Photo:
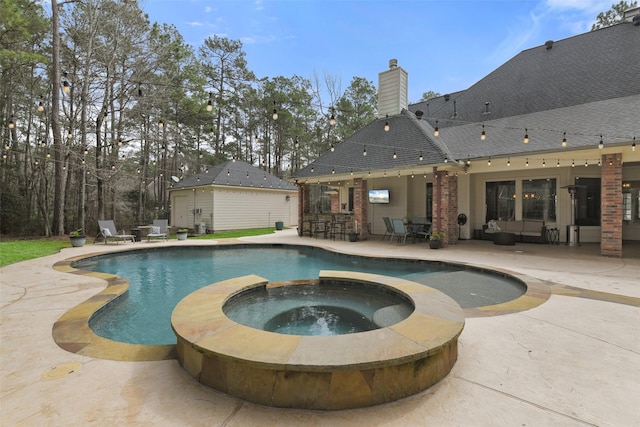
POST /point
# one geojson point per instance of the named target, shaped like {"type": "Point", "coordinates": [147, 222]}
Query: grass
{"type": "Point", "coordinates": [12, 251]}
{"type": "Point", "coordinates": [22, 250]}
{"type": "Point", "coordinates": [235, 233]}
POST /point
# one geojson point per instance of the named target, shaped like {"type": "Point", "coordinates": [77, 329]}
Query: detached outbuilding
{"type": "Point", "coordinates": [231, 196]}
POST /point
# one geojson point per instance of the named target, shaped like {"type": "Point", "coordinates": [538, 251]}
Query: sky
{"type": "Point", "coordinates": [444, 45]}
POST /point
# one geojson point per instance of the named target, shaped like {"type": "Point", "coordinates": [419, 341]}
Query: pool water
{"type": "Point", "coordinates": [160, 278]}
{"type": "Point", "coordinates": [313, 308]}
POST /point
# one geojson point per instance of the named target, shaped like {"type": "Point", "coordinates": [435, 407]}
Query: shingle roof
{"type": "Point", "coordinates": [587, 85]}
{"type": "Point", "coordinates": [235, 173]}
{"type": "Point", "coordinates": [408, 137]}
{"type": "Point", "coordinates": [590, 67]}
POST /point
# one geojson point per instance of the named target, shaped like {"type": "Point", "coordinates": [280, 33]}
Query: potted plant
{"type": "Point", "coordinates": [435, 239]}
{"type": "Point", "coordinates": [353, 236]}
{"type": "Point", "coordinates": [182, 233]}
{"type": "Point", "coordinates": [78, 238]}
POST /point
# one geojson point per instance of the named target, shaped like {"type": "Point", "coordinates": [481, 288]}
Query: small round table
{"type": "Point", "coordinates": [504, 238]}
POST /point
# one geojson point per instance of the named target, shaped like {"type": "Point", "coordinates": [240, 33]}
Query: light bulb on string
{"type": "Point", "coordinates": [564, 139]}
{"type": "Point", "coordinates": [483, 135]}
{"type": "Point", "coordinates": [421, 158]}
{"type": "Point", "coordinates": [210, 102]}
{"type": "Point", "coordinates": [586, 163]}
{"type": "Point", "coordinates": [509, 161]}
{"type": "Point", "coordinates": [601, 143]}
{"type": "Point", "coordinates": [436, 130]}
{"type": "Point", "coordinates": [527, 163]}
{"type": "Point", "coordinates": [364, 151]}
{"type": "Point", "coordinates": [526, 136]}
{"type": "Point", "coordinates": [386, 124]}
{"type": "Point", "coordinates": [40, 106]}
{"type": "Point", "coordinates": [558, 163]}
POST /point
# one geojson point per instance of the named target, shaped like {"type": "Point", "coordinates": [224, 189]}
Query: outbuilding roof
{"type": "Point", "coordinates": [235, 173]}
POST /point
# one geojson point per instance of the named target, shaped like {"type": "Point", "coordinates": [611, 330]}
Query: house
{"type": "Point", "coordinates": [231, 196]}
{"type": "Point", "coordinates": [549, 136]}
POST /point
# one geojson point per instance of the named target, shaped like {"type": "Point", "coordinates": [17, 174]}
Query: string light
{"type": "Point", "coordinates": [558, 163]}
{"type": "Point", "coordinates": [40, 106]}
{"type": "Point", "coordinates": [633, 144]}
{"type": "Point", "coordinates": [395, 156]}
{"type": "Point", "coordinates": [364, 151]}
{"type": "Point", "coordinates": [210, 102]}
{"type": "Point", "coordinates": [420, 158]}
{"type": "Point", "coordinates": [526, 136]}
{"type": "Point", "coordinates": [332, 119]}
{"type": "Point", "coordinates": [509, 161]}
{"type": "Point", "coordinates": [436, 130]}
{"type": "Point", "coordinates": [573, 164]}
{"type": "Point", "coordinates": [489, 162]}
{"type": "Point", "coordinates": [586, 163]}
{"type": "Point", "coordinates": [11, 125]}
{"type": "Point", "coordinates": [386, 124]}
{"type": "Point", "coordinates": [483, 135]}
{"type": "Point", "coordinates": [601, 143]}
{"type": "Point", "coordinates": [564, 139]}
{"type": "Point", "coordinates": [544, 164]}
{"type": "Point", "coordinates": [527, 163]}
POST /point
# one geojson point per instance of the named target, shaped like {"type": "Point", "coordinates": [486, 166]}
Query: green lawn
{"type": "Point", "coordinates": [21, 250]}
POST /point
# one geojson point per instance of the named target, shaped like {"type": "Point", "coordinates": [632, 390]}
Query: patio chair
{"type": "Point", "coordinates": [400, 230]}
{"type": "Point", "coordinates": [421, 227]}
{"type": "Point", "coordinates": [108, 231]}
{"type": "Point", "coordinates": [159, 230]}
{"type": "Point", "coordinates": [389, 228]}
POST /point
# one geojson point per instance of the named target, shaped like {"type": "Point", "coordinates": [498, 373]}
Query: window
{"type": "Point", "coordinates": [501, 200]}
{"type": "Point", "coordinates": [320, 200]}
{"type": "Point", "coordinates": [588, 201]}
{"type": "Point", "coordinates": [631, 202]}
{"type": "Point", "coordinates": [539, 199]}
{"type": "Point", "coordinates": [351, 199]}
{"type": "Point", "coordinates": [429, 207]}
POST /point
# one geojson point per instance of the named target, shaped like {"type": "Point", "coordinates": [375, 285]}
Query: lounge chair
{"type": "Point", "coordinates": [159, 230]}
{"type": "Point", "coordinates": [108, 231]}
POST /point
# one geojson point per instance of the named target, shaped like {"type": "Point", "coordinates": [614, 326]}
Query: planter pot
{"type": "Point", "coordinates": [279, 225]}
{"type": "Point", "coordinates": [78, 242]}
{"type": "Point", "coordinates": [353, 237]}
{"type": "Point", "coordinates": [182, 236]}
{"type": "Point", "coordinates": [434, 244]}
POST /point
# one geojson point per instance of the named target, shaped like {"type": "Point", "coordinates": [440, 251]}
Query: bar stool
{"type": "Point", "coordinates": [338, 228]}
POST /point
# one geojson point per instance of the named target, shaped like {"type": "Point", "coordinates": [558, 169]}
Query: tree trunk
{"type": "Point", "coordinates": [58, 201]}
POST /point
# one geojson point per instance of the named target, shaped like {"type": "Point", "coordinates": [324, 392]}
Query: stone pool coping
{"type": "Point", "coordinates": [318, 372]}
{"type": "Point", "coordinates": [72, 332]}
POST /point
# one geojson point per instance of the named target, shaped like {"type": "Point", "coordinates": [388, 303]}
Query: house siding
{"type": "Point", "coordinates": [232, 209]}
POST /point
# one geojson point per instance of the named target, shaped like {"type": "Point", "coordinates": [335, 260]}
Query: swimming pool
{"type": "Point", "coordinates": [159, 278]}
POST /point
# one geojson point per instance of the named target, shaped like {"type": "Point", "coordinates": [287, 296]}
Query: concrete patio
{"type": "Point", "coordinates": [572, 361]}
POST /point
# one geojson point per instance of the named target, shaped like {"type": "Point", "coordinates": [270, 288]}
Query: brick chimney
{"type": "Point", "coordinates": [392, 90]}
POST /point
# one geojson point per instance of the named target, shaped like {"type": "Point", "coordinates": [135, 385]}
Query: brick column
{"type": "Point", "coordinates": [611, 206]}
{"type": "Point", "coordinates": [452, 209]}
{"type": "Point", "coordinates": [360, 212]}
{"type": "Point", "coordinates": [335, 203]}
{"type": "Point", "coordinates": [302, 202]}
{"type": "Point", "coordinates": [441, 204]}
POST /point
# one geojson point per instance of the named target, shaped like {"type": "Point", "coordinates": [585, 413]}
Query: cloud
{"type": "Point", "coordinates": [195, 24]}
{"type": "Point", "coordinates": [517, 39]}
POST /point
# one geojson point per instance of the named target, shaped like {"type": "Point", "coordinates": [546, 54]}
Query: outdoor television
{"type": "Point", "coordinates": [378, 196]}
